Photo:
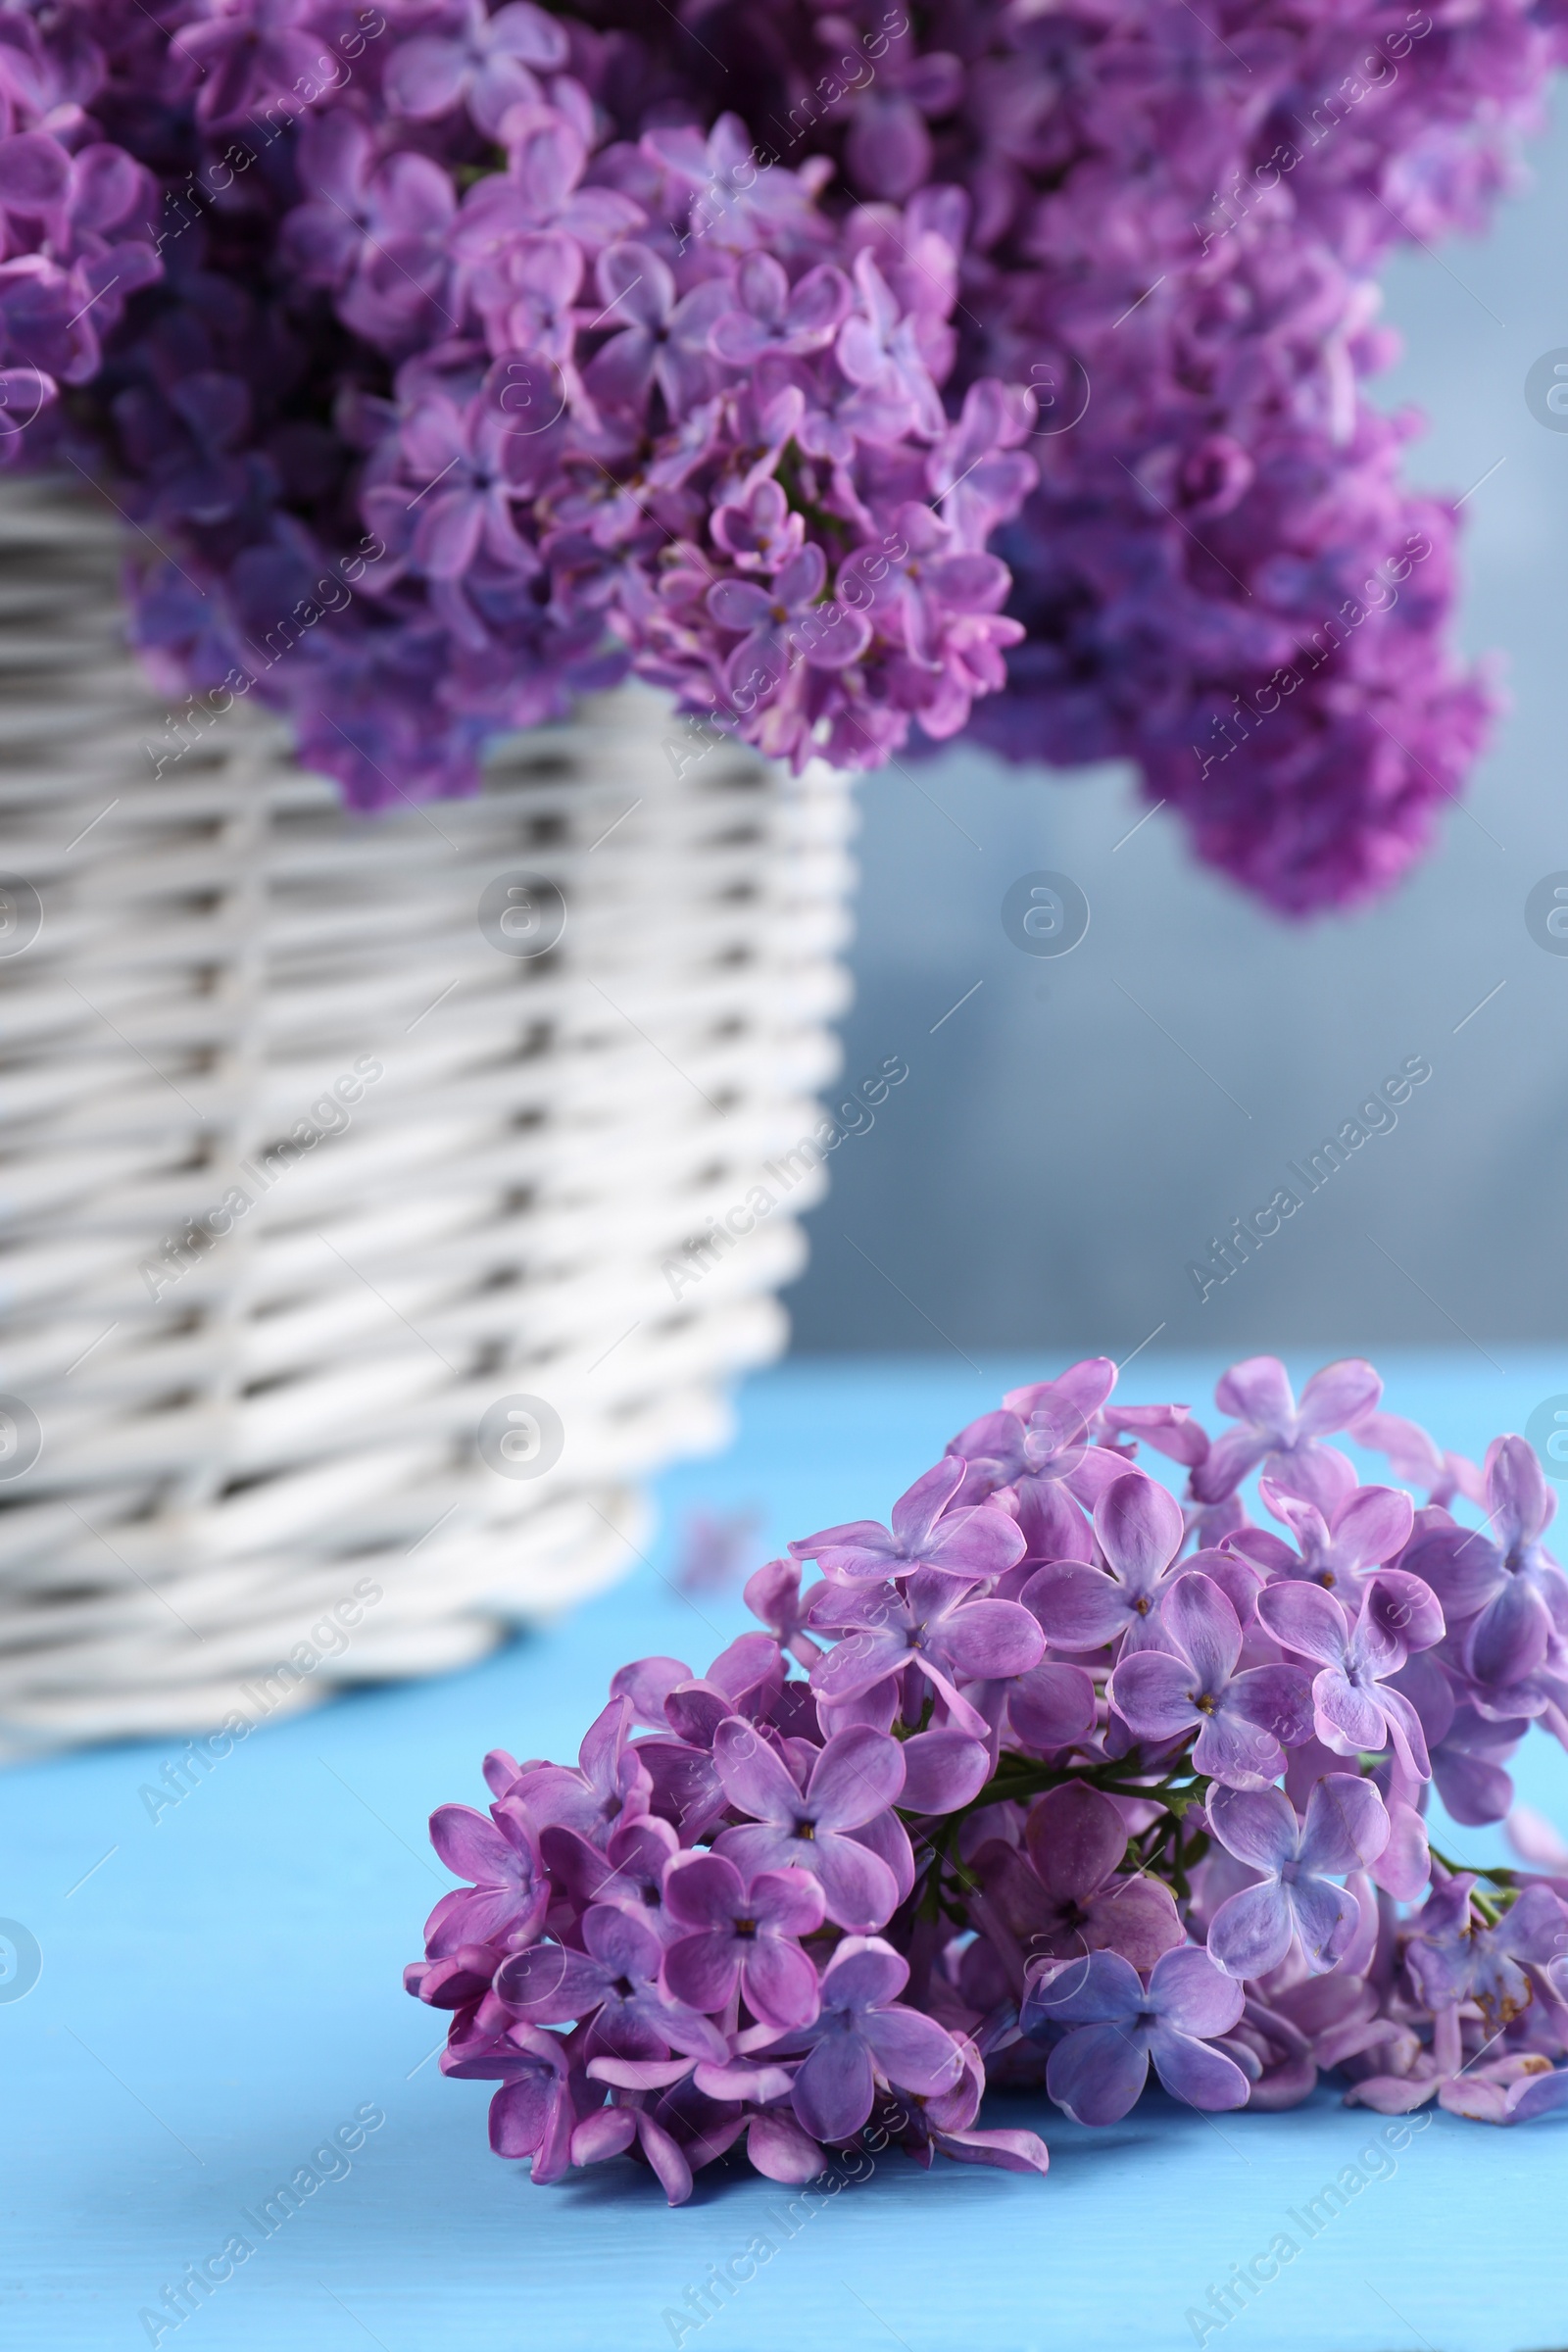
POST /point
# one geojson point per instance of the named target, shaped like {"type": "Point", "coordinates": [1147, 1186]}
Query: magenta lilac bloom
{"type": "Point", "coordinates": [1035, 1788]}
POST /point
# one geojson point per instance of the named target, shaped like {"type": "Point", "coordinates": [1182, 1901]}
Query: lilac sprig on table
{"type": "Point", "coordinates": [1052, 1781]}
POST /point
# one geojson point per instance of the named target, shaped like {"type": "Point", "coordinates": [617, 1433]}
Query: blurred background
{"type": "Point", "coordinates": [1077, 1130]}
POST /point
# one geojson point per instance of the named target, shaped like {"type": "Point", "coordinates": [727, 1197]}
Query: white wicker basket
{"type": "Point", "coordinates": [239, 1429]}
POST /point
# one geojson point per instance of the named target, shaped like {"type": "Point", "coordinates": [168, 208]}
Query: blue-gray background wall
{"type": "Point", "coordinates": [1054, 1157]}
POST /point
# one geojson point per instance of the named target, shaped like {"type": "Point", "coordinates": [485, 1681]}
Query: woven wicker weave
{"type": "Point", "coordinates": [240, 1429]}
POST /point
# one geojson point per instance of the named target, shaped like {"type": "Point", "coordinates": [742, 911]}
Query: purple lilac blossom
{"type": "Point", "coordinates": [962, 1813]}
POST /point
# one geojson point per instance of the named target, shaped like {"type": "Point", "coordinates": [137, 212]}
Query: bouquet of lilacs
{"type": "Point", "coordinates": [1176, 221]}
{"type": "Point", "coordinates": [1051, 1781]}
{"type": "Point", "coordinates": [438, 403]}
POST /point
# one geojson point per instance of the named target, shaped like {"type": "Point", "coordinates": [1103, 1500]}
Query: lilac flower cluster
{"type": "Point", "coordinates": [1176, 218]}
{"type": "Point", "coordinates": [445, 403]}
{"type": "Point", "coordinates": [1052, 1780]}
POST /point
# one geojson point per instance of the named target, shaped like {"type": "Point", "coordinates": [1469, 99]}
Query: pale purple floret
{"type": "Point", "coordinates": [510, 1896]}
{"type": "Point", "coordinates": [485, 66]}
{"type": "Point", "coordinates": [1140, 1528]}
{"type": "Point", "coordinates": [532, 2113]}
{"type": "Point", "coordinates": [1346, 1828]}
{"type": "Point", "coordinates": [1241, 1720]}
{"type": "Point", "coordinates": [858, 1776]}
{"type": "Point", "coordinates": [862, 2033]}
{"type": "Point", "coordinates": [1067, 1891]}
{"type": "Point", "coordinates": [1119, 2025]}
{"type": "Point", "coordinates": [1498, 1585]}
{"type": "Point", "coordinates": [609, 1784]}
{"type": "Point", "coordinates": [614, 1982]}
{"type": "Point", "coordinates": [972, 1542]}
{"type": "Point", "coordinates": [1273, 1428]}
{"type": "Point", "coordinates": [1363, 1529]}
{"type": "Point", "coordinates": [1357, 1712]}
{"type": "Point", "coordinates": [933, 1626]}
{"type": "Point", "coordinates": [737, 1933]}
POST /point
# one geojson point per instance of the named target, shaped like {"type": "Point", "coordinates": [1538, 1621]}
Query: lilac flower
{"type": "Point", "coordinates": [856, 1777]}
{"type": "Point", "coordinates": [658, 338]}
{"type": "Point", "coordinates": [864, 2033]}
{"type": "Point", "coordinates": [972, 1543]}
{"type": "Point", "coordinates": [784, 623]}
{"type": "Point", "coordinates": [486, 66]}
{"type": "Point", "coordinates": [742, 1935]}
{"type": "Point", "coordinates": [1504, 1588]}
{"type": "Point", "coordinates": [1240, 1719]}
{"type": "Point", "coordinates": [1119, 2025]}
{"type": "Point", "coordinates": [1273, 1428]}
{"type": "Point", "coordinates": [1067, 1892]}
{"type": "Point", "coordinates": [933, 1625]}
{"type": "Point", "coordinates": [1140, 1530]}
{"type": "Point", "coordinates": [1368, 1525]}
{"type": "Point", "coordinates": [943, 2124]}
{"type": "Point", "coordinates": [1356, 1710]}
{"type": "Point", "coordinates": [1346, 1825]}
{"type": "Point", "coordinates": [609, 1784]}
{"type": "Point", "coordinates": [532, 2113]}
{"type": "Point", "coordinates": [510, 1896]}
{"type": "Point", "coordinates": [628, 1873]}
{"type": "Point", "coordinates": [772, 316]}
{"type": "Point", "coordinates": [614, 1982]}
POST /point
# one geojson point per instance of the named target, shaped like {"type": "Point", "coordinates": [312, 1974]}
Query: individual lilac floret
{"type": "Point", "coordinates": [742, 1935]}
{"type": "Point", "coordinates": [1274, 1429]}
{"type": "Point", "coordinates": [1067, 1892]}
{"type": "Point", "coordinates": [1366, 1527]}
{"type": "Point", "coordinates": [933, 1626]}
{"type": "Point", "coordinates": [1241, 1720]}
{"type": "Point", "coordinates": [1140, 1530]}
{"type": "Point", "coordinates": [507, 1903]}
{"type": "Point", "coordinates": [1357, 1712]}
{"type": "Point", "coordinates": [864, 2033]}
{"type": "Point", "coordinates": [974, 1542]}
{"type": "Point", "coordinates": [615, 1981]}
{"type": "Point", "coordinates": [1345, 1827]}
{"type": "Point", "coordinates": [1121, 2025]}
{"type": "Point", "coordinates": [856, 1777]}
{"type": "Point", "coordinates": [1498, 1583]}
{"type": "Point", "coordinates": [532, 2113]}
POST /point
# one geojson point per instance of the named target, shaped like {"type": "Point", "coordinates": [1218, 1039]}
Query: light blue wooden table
{"type": "Point", "coordinates": [221, 1993]}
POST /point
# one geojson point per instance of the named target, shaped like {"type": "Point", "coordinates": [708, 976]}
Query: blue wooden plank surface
{"type": "Point", "coordinates": [221, 1994]}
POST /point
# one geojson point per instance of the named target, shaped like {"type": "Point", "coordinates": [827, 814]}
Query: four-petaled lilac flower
{"type": "Point", "coordinates": [1241, 1720]}
{"type": "Point", "coordinates": [611, 1785]}
{"type": "Point", "coordinates": [1499, 1588]}
{"type": "Point", "coordinates": [1356, 1713]}
{"type": "Point", "coordinates": [787, 623]}
{"type": "Point", "coordinates": [510, 1896]}
{"type": "Point", "coordinates": [864, 2033]}
{"type": "Point", "coordinates": [532, 2113]}
{"type": "Point", "coordinates": [1140, 1531]}
{"type": "Point", "coordinates": [745, 1934]}
{"type": "Point", "coordinates": [1274, 1428]}
{"type": "Point", "coordinates": [1070, 1895]}
{"type": "Point", "coordinates": [972, 1542]}
{"type": "Point", "coordinates": [933, 1625]}
{"type": "Point", "coordinates": [656, 337]}
{"type": "Point", "coordinates": [856, 1777]}
{"type": "Point", "coordinates": [1344, 1829]}
{"type": "Point", "coordinates": [1364, 1529]}
{"type": "Point", "coordinates": [614, 1982]}
{"type": "Point", "coordinates": [1119, 2025]}
{"type": "Point", "coordinates": [485, 63]}
{"type": "Point", "coordinates": [772, 316]}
